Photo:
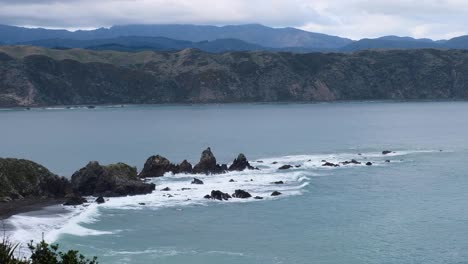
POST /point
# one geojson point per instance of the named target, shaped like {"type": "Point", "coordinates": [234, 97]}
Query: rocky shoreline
{"type": "Point", "coordinates": [27, 186]}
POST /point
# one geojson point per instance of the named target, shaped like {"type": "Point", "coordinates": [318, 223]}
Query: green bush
{"type": "Point", "coordinates": [41, 253]}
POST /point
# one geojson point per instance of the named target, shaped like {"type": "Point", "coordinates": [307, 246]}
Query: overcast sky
{"type": "Point", "coordinates": [437, 19]}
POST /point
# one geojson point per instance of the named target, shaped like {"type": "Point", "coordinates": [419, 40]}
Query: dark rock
{"type": "Point", "coordinates": [285, 167]}
{"type": "Point", "coordinates": [278, 182]}
{"type": "Point", "coordinates": [231, 180]}
{"type": "Point", "coordinates": [75, 200]}
{"type": "Point", "coordinates": [207, 196]}
{"type": "Point", "coordinates": [275, 193]}
{"type": "Point", "coordinates": [91, 106]}
{"type": "Point", "coordinates": [258, 198]}
{"type": "Point", "coordinates": [218, 195]}
{"type": "Point", "coordinates": [353, 161]}
{"type": "Point", "coordinates": [207, 164]}
{"type": "Point", "coordinates": [241, 194]}
{"type": "Point", "coordinates": [298, 166]}
{"type": "Point", "coordinates": [157, 166]}
{"type": "Point", "coordinates": [185, 189]}
{"type": "Point", "coordinates": [329, 164]}
{"type": "Point", "coordinates": [369, 163]}
{"type": "Point", "coordinates": [166, 189]}
{"type": "Point", "coordinates": [100, 200]}
{"type": "Point", "coordinates": [387, 160]}
{"type": "Point", "coordinates": [274, 162]}
{"type": "Point", "coordinates": [385, 152]}
{"type": "Point", "coordinates": [185, 167]}
{"type": "Point", "coordinates": [197, 181]}
{"type": "Point", "coordinates": [240, 164]}
{"type": "Point", "coordinates": [109, 181]}
{"type": "Point", "coordinates": [259, 161]}
{"type": "Point", "coordinates": [170, 196]}
{"type": "Point", "coordinates": [142, 203]}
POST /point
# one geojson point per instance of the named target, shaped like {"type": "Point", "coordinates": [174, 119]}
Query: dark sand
{"type": "Point", "coordinates": [26, 205]}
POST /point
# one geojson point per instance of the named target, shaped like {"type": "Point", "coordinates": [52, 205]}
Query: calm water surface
{"type": "Point", "coordinates": [411, 210]}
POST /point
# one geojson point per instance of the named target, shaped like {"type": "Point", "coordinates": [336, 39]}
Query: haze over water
{"type": "Point", "coordinates": [411, 210]}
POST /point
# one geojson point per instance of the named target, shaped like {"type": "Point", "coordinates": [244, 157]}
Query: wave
{"type": "Point", "coordinates": [182, 193]}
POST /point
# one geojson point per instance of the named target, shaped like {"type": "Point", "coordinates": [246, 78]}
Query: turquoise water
{"type": "Point", "coordinates": [411, 210]}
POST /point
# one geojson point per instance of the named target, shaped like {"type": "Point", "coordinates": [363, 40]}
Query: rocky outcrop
{"type": "Point", "coordinates": [385, 152]}
{"type": "Point", "coordinates": [208, 165]}
{"type": "Point", "coordinates": [197, 181]}
{"type": "Point", "coordinates": [157, 166]}
{"type": "Point", "coordinates": [285, 167]}
{"type": "Point", "coordinates": [185, 167]}
{"type": "Point", "coordinates": [21, 178]}
{"type": "Point", "coordinates": [109, 181]}
{"type": "Point", "coordinates": [368, 163]}
{"type": "Point", "coordinates": [330, 164]}
{"type": "Point", "coordinates": [241, 194]}
{"type": "Point", "coordinates": [219, 195]}
{"type": "Point", "coordinates": [100, 200]}
{"type": "Point", "coordinates": [240, 164]}
{"type": "Point", "coordinates": [275, 193]}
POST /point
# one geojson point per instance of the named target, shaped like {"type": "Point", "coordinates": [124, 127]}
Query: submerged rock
{"type": "Point", "coordinates": [241, 194]}
{"type": "Point", "coordinates": [157, 166]}
{"type": "Point", "coordinates": [231, 180]}
{"type": "Point", "coordinates": [109, 181]}
{"type": "Point", "coordinates": [258, 198]}
{"type": "Point", "coordinates": [285, 167]}
{"type": "Point", "coordinates": [166, 189]}
{"type": "Point", "coordinates": [369, 163]}
{"type": "Point", "coordinates": [275, 193]}
{"type": "Point", "coordinates": [387, 160]}
{"type": "Point", "coordinates": [197, 181]}
{"type": "Point", "coordinates": [278, 182]}
{"type": "Point", "coordinates": [207, 196]}
{"type": "Point", "coordinates": [329, 164]}
{"type": "Point", "coordinates": [385, 152]}
{"type": "Point", "coordinates": [219, 195]}
{"type": "Point", "coordinates": [240, 164]}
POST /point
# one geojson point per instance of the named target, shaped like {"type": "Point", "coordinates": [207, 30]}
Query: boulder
{"type": "Point", "coordinates": [207, 164]}
{"type": "Point", "coordinates": [385, 152]}
{"type": "Point", "coordinates": [258, 198]}
{"type": "Point", "coordinates": [240, 164]}
{"type": "Point", "coordinates": [278, 182]}
{"type": "Point", "coordinates": [231, 180]}
{"type": "Point", "coordinates": [298, 166]}
{"type": "Point", "coordinates": [157, 166]}
{"type": "Point", "coordinates": [219, 195]}
{"type": "Point", "coordinates": [275, 193]}
{"type": "Point", "coordinates": [387, 160]}
{"type": "Point", "coordinates": [166, 189]}
{"type": "Point", "coordinates": [100, 200]}
{"type": "Point", "coordinates": [74, 200]}
{"type": "Point", "coordinates": [285, 167]}
{"type": "Point", "coordinates": [197, 181]}
{"type": "Point", "coordinates": [353, 161]}
{"type": "Point", "coordinates": [241, 194]}
{"type": "Point", "coordinates": [207, 196]}
{"type": "Point", "coordinates": [369, 163]}
{"type": "Point", "coordinates": [185, 167]}
{"type": "Point", "coordinates": [109, 181]}
{"type": "Point", "coordinates": [329, 164]}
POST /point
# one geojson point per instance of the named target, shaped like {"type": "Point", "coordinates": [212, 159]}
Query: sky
{"type": "Point", "coordinates": [356, 19]}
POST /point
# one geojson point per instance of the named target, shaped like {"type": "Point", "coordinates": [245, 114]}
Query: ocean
{"type": "Point", "coordinates": [412, 209]}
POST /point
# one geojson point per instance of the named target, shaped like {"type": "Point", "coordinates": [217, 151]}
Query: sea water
{"type": "Point", "coordinates": [412, 209]}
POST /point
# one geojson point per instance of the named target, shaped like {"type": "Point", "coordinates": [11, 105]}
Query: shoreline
{"type": "Point", "coordinates": [26, 205]}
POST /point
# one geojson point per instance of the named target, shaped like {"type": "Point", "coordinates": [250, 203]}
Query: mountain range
{"type": "Point", "coordinates": [251, 37]}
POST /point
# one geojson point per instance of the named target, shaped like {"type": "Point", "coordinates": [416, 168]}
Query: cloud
{"type": "Point", "coordinates": [349, 18]}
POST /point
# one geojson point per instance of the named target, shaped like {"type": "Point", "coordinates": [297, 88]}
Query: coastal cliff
{"type": "Point", "coordinates": [31, 76]}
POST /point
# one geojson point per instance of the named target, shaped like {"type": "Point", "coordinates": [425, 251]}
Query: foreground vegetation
{"type": "Point", "coordinates": [41, 253]}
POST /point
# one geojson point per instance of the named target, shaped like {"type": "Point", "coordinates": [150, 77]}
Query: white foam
{"type": "Point", "coordinates": [256, 182]}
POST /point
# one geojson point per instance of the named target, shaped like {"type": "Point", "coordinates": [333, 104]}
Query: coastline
{"type": "Point", "coordinates": [26, 205]}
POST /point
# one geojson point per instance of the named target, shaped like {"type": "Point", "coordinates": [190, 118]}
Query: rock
{"type": "Point", "coordinates": [259, 161]}
{"type": "Point", "coordinates": [231, 180]}
{"type": "Point", "coordinates": [100, 200]}
{"type": "Point", "coordinates": [109, 181]}
{"type": "Point", "coordinates": [385, 152]}
{"type": "Point", "coordinates": [170, 196]}
{"type": "Point", "coordinates": [329, 164]}
{"type": "Point", "coordinates": [241, 194]}
{"type": "Point", "coordinates": [298, 166]}
{"type": "Point", "coordinates": [142, 203]}
{"type": "Point", "coordinates": [275, 193]}
{"type": "Point", "coordinates": [185, 189]}
{"type": "Point", "coordinates": [185, 167]}
{"type": "Point", "coordinates": [387, 160]}
{"type": "Point", "coordinates": [207, 164]}
{"type": "Point", "coordinates": [197, 181]}
{"type": "Point", "coordinates": [369, 163]}
{"type": "Point", "coordinates": [166, 189]}
{"type": "Point", "coordinates": [258, 198]}
{"type": "Point", "coordinates": [74, 200]}
{"type": "Point", "coordinates": [240, 164]}
{"type": "Point", "coordinates": [353, 161]}
{"type": "Point", "coordinates": [207, 196]}
{"type": "Point", "coordinates": [285, 167]}
{"type": "Point", "coordinates": [5, 199]}
{"type": "Point", "coordinates": [218, 195]}
{"type": "Point", "coordinates": [274, 162]}
{"type": "Point", "coordinates": [157, 166]}
{"type": "Point", "coordinates": [278, 182]}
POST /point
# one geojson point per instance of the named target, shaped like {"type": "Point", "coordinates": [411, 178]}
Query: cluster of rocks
{"type": "Point", "coordinates": [157, 166]}
{"type": "Point", "coordinates": [241, 194]}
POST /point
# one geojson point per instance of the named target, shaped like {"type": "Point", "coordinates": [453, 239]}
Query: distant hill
{"type": "Point", "coordinates": [252, 33]}
{"type": "Point", "coordinates": [135, 44]}
{"type": "Point", "coordinates": [32, 76]}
